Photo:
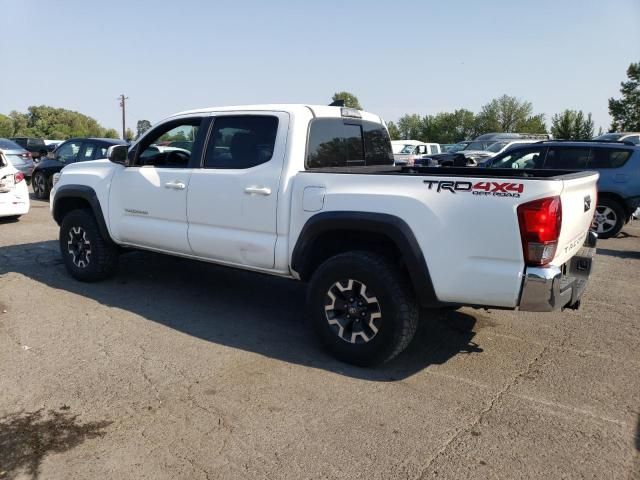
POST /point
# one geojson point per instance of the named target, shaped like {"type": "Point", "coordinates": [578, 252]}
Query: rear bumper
{"type": "Point", "coordinates": [546, 289]}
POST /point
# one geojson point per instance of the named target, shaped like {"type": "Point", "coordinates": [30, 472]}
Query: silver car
{"type": "Point", "coordinates": [18, 156]}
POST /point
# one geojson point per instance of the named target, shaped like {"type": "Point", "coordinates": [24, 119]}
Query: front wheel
{"type": "Point", "coordinates": [87, 255]}
{"type": "Point", "coordinates": [362, 308]}
{"type": "Point", "coordinates": [609, 218]}
{"type": "Point", "coordinates": [40, 186]}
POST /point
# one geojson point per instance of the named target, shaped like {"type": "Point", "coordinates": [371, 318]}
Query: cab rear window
{"type": "Point", "coordinates": [338, 142]}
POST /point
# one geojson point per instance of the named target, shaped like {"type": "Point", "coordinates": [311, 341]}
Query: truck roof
{"type": "Point", "coordinates": [317, 110]}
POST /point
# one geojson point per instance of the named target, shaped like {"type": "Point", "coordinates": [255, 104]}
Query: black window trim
{"type": "Point", "coordinates": [219, 115]}
{"type": "Point", "coordinates": [196, 153]}
{"type": "Point", "coordinates": [345, 121]}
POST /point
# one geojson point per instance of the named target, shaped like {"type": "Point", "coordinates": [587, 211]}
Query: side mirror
{"type": "Point", "coordinates": [118, 154]}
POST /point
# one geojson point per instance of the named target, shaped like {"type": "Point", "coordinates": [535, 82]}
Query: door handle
{"type": "Point", "coordinates": [257, 191]}
{"type": "Point", "coordinates": [175, 185]}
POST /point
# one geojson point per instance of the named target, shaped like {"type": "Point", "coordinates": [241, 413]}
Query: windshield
{"type": "Point", "coordinates": [9, 145]}
{"type": "Point", "coordinates": [407, 149]}
{"type": "Point", "coordinates": [496, 147]}
{"type": "Point", "coordinates": [612, 137]}
{"type": "Point", "coordinates": [478, 145]}
{"type": "Point", "coordinates": [457, 147]}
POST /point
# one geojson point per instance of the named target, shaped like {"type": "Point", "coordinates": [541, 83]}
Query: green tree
{"type": "Point", "coordinates": [509, 114]}
{"type": "Point", "coordinates": [410, 127]}
{"type": "Point", "coordinates": [111, 133]}
{"type": "Point", "coordinates": [6, 126]}
{"type": "Point", "coordinates": [394, 132]}
{"type": "Point", "coordinates": [572, 125]}
{"type": "Point", "coordinates": [350, 100]}
{"type": "Point", "coordinates": [449, 127]}
{"type": "Point", "coordinates": [129, 135]}
{"type": "Point", "coordinates": [626, 110]}
{"type": "Point", "coordinates": [48, 122]}
{"type": "Point", "coordinates": [141, 127]}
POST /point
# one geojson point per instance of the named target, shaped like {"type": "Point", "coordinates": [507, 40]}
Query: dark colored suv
{"type": "Point", "coordinates": [71, 151]}
{"type": "Point", "coordinates": [618, 164]}
{"type": "Point", "coordinates": [35, 146]}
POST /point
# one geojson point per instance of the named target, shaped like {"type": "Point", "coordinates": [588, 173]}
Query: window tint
{"type": "Point", "coordinates": [609, 157]}
{"type": "Point", "coordinates": [334, 142]}
{"type": "Point", "coordinates": [155, 149]}
{"type": "Point", "coordinates": [68, 151]}
{"type": "Point", "coordinates": [525, 158]}
{"type": "Point", "coordinates": [241, 141]}
{"type": "Point", "coordinates": [434, 149]}
{"type": "Point", "coordinates": [567, 158]}
{"type": "Point", "coordinates": [87, 152]}
{"type": "Point", "coordinates": [101, 152]}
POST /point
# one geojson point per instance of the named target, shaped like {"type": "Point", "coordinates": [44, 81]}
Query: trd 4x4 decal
{"type": "Point", "coordinates": [496, 189]}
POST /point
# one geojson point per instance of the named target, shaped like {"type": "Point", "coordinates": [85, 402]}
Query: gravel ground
{"type": "Point", "coordinates": [178, 369]}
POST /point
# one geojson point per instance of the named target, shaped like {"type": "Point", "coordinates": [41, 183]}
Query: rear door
{"type": "Point", "coordinates": [233, 198]}
{"type": "Point", "coordinates": [148, 199]}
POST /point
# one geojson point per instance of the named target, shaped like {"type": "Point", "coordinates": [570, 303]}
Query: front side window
{"type": "Point", "coordinates": [567, 158]}
{"type": "Point", "coordinates": [526, 158]}
{"type": "Point", "coordinates": [335, 142]}
{"type": "Point", "coordinates": [609, 157]}
{"type": "Point", "coordinates": [156, 148]}
{"type": "Point", "coordinates": [68, 152]}
{"type": "Point", "coordinates": [87, 152]}
{"type": "Point", "coordinates": [241, 141]}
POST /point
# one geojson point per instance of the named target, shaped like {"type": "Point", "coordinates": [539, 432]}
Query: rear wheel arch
{"type": "Point", "coordinates": [331, 233]}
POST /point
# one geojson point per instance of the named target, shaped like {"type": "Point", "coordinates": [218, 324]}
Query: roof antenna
{"type": "Point", "coordinates": [337, 103]}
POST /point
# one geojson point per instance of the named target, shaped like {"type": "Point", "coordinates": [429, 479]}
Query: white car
{"type": "Point", "coordinates": [310, 193]}
{"type": "Point", "coordinates": [14, 194]}
{"type": "Point", "coordinates": [405, 152]}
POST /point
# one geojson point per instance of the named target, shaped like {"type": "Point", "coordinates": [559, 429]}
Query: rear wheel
{"type": "Point", "coordinates": [609, 218]}
{"type": "Point", "coordinates": [40, 186]}
{"type": "Point", "coordinates": [87, 255]}
{"type": "Point", "coordinates": [362, 308]}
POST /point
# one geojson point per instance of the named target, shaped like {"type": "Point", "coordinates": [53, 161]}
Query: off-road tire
{"type": "Point", "coordinates": [103, 257]}
{"type": "Point", "coordinates": [396, 303]}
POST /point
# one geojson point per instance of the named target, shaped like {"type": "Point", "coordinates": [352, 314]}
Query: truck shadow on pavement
{"type": "Point", "coordinates": [252, 312]}
{"type": "Point", "coordinates": [27, 437]}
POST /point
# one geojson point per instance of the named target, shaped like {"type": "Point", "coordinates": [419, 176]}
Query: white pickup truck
{"type": "Point", "coordinates": [311, 193]}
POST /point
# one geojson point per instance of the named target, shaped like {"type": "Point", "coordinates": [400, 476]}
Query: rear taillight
{"type": "Point", "coordinates": [26, 155]}
{"type": "Point", "coordinates": [540, 223]}
{"type": "Point", "coordinates": [19, 177]}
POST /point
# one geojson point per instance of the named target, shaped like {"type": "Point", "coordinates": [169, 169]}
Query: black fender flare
{"type": "Point", "coordinates": [391, 226]}
{"type": "Point", "coordinates": [85, 193]}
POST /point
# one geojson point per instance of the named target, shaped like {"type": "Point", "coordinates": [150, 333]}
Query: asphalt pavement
{"type": "Point", "coordinates": [176, 369]}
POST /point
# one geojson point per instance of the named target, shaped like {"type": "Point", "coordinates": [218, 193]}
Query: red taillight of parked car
{"type": "Point", "coordinates": [18, 177]}
{"type": "Point", "coordinates": [540, 223]}
{"type": "Point", "coordinates": [26, 155]}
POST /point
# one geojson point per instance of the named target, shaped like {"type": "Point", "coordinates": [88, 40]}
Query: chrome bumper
{"type": "Point", "coordinates": [546, 289]}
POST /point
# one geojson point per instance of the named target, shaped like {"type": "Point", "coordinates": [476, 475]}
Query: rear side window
{"type": "Point", "coordinates": [566, 158]}
{"type": "Point", "coordinates": [609, 157]}
{"type": "Point", "coordinates": [335, 142]}
{"type": "Point", "coordinates": [36, 144]}
{"type": "Point", "coordinates": [241, 141]}
{"type": "Point", "coordinates": [524, 158]}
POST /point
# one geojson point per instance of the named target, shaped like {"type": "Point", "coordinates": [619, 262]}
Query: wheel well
{"type": "Point", "coordinates": [68, 204]}
{"type": "Point", "coordinates": [617, 198]}
{"type": "Point", "coordinates": [334, 242]}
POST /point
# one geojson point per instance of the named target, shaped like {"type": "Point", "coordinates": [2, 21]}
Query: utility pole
{"type": "Point", "coordinates": [123, 99]}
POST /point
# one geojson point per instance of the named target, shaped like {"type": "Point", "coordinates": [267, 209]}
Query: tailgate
{"type": "Point", "coordinates": [579, 196]}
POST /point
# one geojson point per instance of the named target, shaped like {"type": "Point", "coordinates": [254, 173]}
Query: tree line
{"type": "Point", "coordinates": [508, 114]}
{"type": "Point", "coordinates": [503, 114]}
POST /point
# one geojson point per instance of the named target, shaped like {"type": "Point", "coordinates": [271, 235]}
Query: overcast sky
{"type": "Point", "coordinates": [396, 56]}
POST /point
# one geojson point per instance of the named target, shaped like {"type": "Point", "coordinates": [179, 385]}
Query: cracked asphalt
{"type": "Point", "coordinates": [177, 369]}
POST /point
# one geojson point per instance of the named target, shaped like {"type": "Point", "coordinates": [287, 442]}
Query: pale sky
{"type": "Point", "coordinates": [397, 56]}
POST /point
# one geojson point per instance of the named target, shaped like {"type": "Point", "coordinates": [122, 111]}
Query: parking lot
{"type": "Point", "coordinates": [178, 369]}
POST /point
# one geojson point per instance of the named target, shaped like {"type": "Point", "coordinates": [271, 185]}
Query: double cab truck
{"type": "Point", "coordinates": [311, 193]}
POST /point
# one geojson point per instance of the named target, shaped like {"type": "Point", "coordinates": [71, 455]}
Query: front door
{"type": "Point", "coordinates": [232, 199]}
{"type": "Point", "coordinates": [148, 199]}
